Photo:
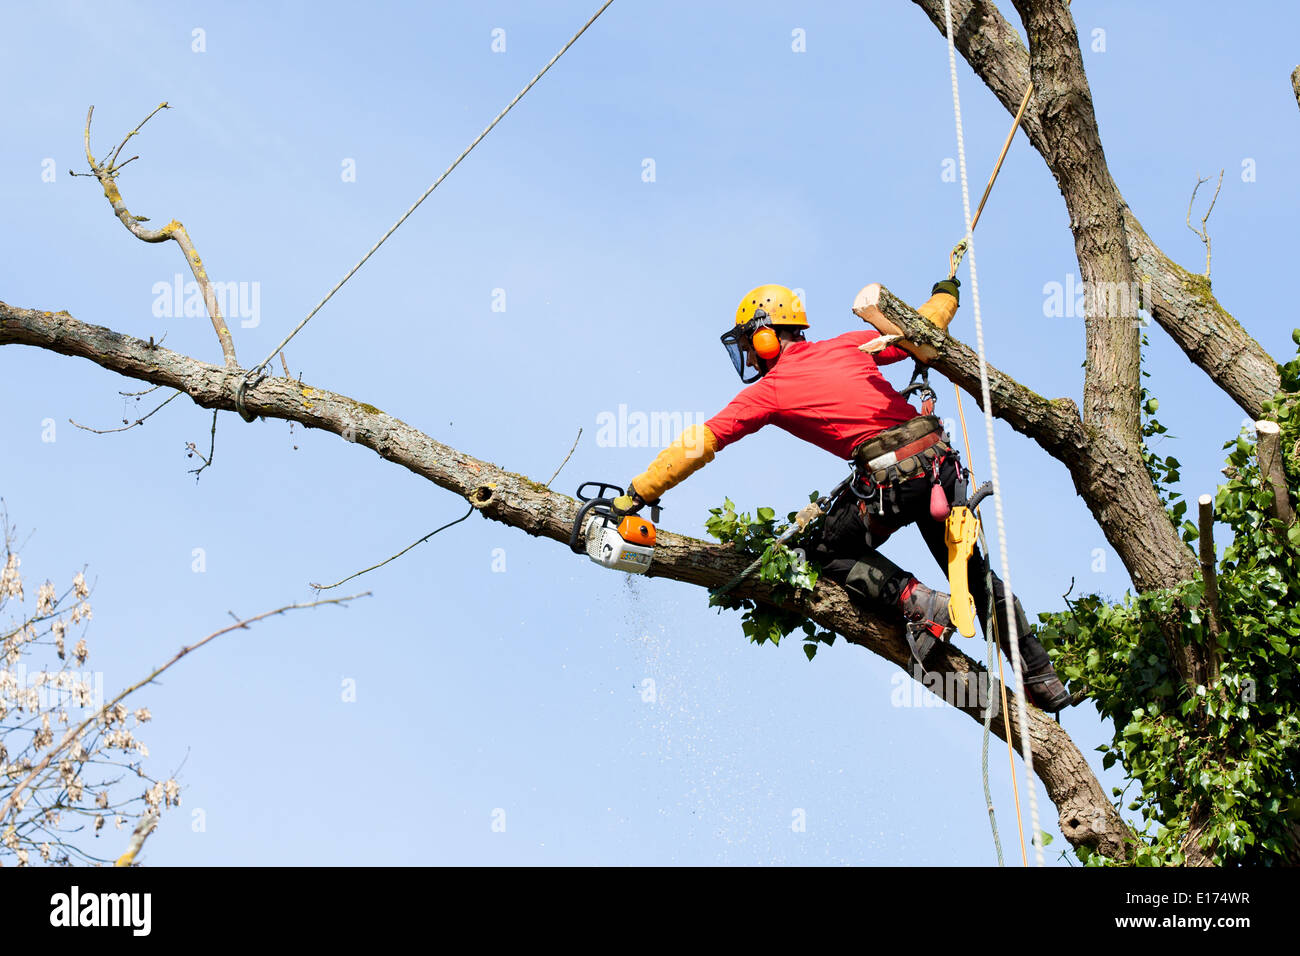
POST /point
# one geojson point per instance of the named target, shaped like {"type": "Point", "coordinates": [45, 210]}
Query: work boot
{"type": "Point", "coordinates": [1042, 686]}
{"type": "Point", "coordinates": [926, 607]}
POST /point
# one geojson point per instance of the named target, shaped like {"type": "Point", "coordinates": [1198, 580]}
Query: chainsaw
{"type": "Point", "coordinates": [611, 538]}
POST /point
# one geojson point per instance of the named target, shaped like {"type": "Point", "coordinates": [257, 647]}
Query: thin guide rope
{"type": "Point", "coordinates": [262, 364]}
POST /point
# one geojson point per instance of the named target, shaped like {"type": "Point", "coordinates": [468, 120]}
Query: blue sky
{"type": "Point", "coordinates": [520, 690]}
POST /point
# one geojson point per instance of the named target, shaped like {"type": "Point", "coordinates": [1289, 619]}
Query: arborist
{"type": "Point", "coordinates": [832, 394]}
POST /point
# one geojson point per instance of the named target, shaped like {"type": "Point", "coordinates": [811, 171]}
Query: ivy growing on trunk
{"type": "Point", "coordinates": [1213, 764]}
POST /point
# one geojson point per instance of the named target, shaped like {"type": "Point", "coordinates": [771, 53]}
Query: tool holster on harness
{"type": "Point", "coordinates": [897, 455]}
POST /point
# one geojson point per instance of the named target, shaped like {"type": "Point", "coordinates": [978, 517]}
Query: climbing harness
{"type": "Point", "coordinates": [920, 385]}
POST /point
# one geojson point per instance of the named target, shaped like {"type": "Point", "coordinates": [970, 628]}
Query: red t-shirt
{"type": "Point", "coordinates": [827, 393]}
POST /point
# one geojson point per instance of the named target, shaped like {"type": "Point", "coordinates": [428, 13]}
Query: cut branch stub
{"type": "Point", "coordinates": [1211, 581]}
{"type": "Point", "coordinates": [1209, 560]}
{"type": "Point", "coordinates": [866, 306]}
{"type": "Point", "coordinates": [1269, 452]}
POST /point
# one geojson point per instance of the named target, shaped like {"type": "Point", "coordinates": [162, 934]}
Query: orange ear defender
{"type": "Point", "coordinates": [766, 344]}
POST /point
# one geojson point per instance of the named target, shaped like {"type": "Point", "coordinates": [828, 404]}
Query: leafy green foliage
{"type": "Point", "coordinates": [789, 574]}
{"type": "Point", "coordinates": [1222, 760]}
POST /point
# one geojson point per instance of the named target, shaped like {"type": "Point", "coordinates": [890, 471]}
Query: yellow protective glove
{"type": "Point", "coordinates": [940, 308]}
{"type": "Point", "coordinates": [692, 450]}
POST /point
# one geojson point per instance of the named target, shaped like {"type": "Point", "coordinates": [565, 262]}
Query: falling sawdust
{"type": "Point", "coordinates": [690, 710]}
{"type": "Point", "coordinates": [683, 697]}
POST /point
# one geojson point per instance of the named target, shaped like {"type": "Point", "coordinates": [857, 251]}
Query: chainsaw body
{"type": "Point", "coordinates": [621, 542]}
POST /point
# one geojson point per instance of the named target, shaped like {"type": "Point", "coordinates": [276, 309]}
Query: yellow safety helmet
{"type": "Point", "coordinates": [760, 310]}
{"type": "Point", "coordinates": [780, 305]}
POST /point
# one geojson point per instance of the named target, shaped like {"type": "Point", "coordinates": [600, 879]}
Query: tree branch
{"type": "Point", "coordinates": [74, 733]}
{"type": "Point", "coordinates": [1086, 814]}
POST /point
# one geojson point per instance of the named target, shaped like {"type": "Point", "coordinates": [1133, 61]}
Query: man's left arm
{"type": "Point", "coordinates": [696, 446]}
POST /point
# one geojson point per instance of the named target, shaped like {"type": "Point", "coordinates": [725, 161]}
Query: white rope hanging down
{"type": "Point", "coordinates": [456, 162]}
{"type": "Point", "coordinates": [1012, 637]}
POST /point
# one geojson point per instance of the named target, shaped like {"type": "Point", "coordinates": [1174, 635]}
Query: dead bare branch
{"type": "Point", "coordinates": [207, 462]}
{"type": "Point", "coordinates": [326, 587]}
{"type": "Point", "coordinates": [1203, 233]}
{"type": "Point", "coordinates": [566, 459]}
{"type": "Point", "coordinates": [106, 172]}
{"type": "Point", "coordinates": [138, 421]}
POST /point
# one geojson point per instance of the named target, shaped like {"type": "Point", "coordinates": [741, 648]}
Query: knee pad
{"type": "Point", "coordinates": [876, 579]}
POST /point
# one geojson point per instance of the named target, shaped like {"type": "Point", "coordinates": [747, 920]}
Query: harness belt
{"type": "Point", "coordinates": [907, 451]}
{"type": "Point", "coordinates": [901, 453]}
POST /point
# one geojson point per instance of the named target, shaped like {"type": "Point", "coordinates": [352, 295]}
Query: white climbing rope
{"type": "Point", "coordinates": [1012, 637]}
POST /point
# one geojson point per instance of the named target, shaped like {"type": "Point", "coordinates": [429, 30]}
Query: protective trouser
{"type": "Point", "coordinates": [855, 528]}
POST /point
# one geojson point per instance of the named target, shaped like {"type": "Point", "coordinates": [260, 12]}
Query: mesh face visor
{"type": "Point", "coordinates": [736, 342]}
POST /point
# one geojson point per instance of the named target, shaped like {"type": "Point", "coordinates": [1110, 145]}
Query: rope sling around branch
{"type": "Point", "coordinates": [1012, 637]}
{"type": "Point", "coordinates": [256, 369]}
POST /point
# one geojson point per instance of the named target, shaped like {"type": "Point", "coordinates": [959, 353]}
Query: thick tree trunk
{"type": "Point", "coordinates": [1062, 102]}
